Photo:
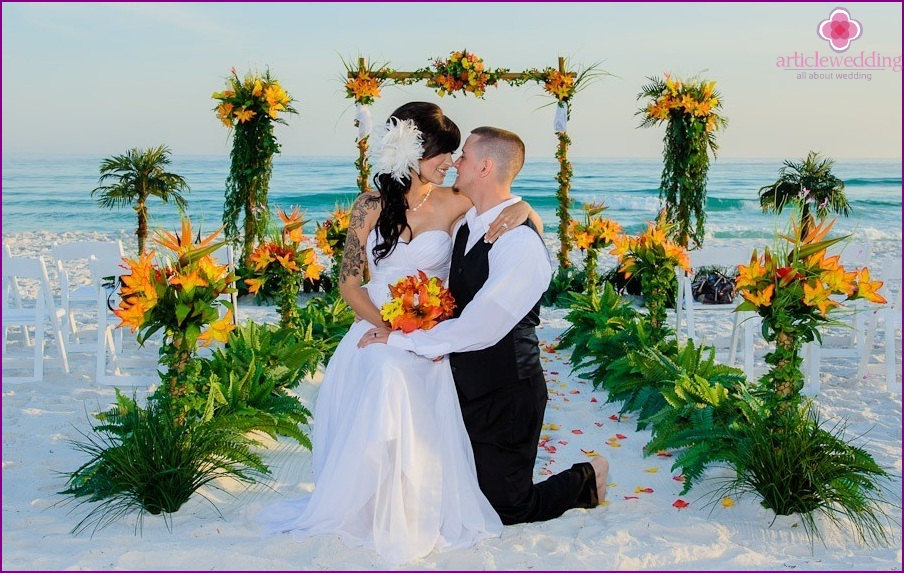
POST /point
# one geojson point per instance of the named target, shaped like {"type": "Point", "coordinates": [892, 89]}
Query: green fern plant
{"type": "Point", "coordinates": [699, 409]}
{"type": "Point", "coordinates": [602, 327]}
{"type": "Point", "coordinates": [142, 461]}
{"type": "Point", "coordinates": [325, 320]}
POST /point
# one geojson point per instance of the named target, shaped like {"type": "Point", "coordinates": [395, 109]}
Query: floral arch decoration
{"type": "Point", "coordinates": [466, 73]}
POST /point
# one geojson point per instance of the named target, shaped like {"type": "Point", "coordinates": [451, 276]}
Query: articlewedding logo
{"type": "Point", "coordinates": [839, 30]}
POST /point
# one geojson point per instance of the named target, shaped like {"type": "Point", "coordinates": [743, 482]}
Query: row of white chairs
{"type": "Point", "coordinates": [855, 340]}
{"type": "Point", "coordinates": [80, 304]}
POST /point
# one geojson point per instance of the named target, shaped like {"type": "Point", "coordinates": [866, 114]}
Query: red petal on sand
{"type": "Point", "coordinates": [621, 436]}
{"type": "Point", "coordinates": [575, 392]}
{"type": "Point", "coordinates": [680, 504]}
{"type": "Point", "coordinates": [678, 478]}
{"type": "Point", "coordinates": [550, 449]}
{"type": "Point", "coordinates": [593, 400]}
{"type": "Point", "coordinates": [577, 432]}
{"type": "Point", "coordinates": [631, 497]}
{"type": "Point", "coordinates": [553, 372]}
{"type": "Point", "coordinates": [563, 442]}
{"type": "Point", "coordinates": [598, 424]}
{"type": "Point", "coordinates": [614, 417]}
{"type": "Point", "coordinates": [663, 454]}
{"type": "Point", "coordinates": [550, 348]}
{"type": "Point", "coordinates": [643, 490]}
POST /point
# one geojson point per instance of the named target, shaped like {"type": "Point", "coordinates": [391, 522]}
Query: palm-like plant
{"type": "Point", "coordinates": [811, 185]}
{"type": "Point", "coordinates": [132, 178]}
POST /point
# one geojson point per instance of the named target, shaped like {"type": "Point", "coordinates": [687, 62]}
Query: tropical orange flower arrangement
{"type": "Point", "coordinates": [593, 234]}
{"type": "Point", "coordinates": [285, 262]}
{"type": "Point", "coordinates": [463, 72]}
{"type": "Point", "coordinates": [417, 302]}
{"type": "Point", "coordinates": [692, 111]}
{"type": "Point", "coordinates": [180, 296]}
{"type": "Point", "coordinates": [254, 96]}
{"type": "Point", "coordinates": [674, 97]}
{"type": "Point", "coordinates": [330, 239]}
{"type": "Point", "coordinates": [791, 288]}
{"type": "Point", "coordinates": [652, 256]}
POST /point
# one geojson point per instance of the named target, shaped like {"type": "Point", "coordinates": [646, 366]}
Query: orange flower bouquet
{"type": "Point", "coordinates": [462, 72]}
{"type": "Point", "coordinates": [653, 258]}
{"type": "Point", "coordinates": [417, 302]}
{"type": "Point", "coordinates": [179, 296]}
{"type": "Point", "coordinates": [330, 238]}
{"type": "Point", "coordinates": [285, 262]}
{"type": "Point", "coordinates": [593, 234]}
{"type": "Point", "coordinates": [792, 289]}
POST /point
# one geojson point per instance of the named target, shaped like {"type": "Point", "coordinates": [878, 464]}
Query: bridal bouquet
{"type": "Point", "coordinates": [417, 302]}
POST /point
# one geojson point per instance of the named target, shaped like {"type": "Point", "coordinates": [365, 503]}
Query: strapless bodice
{"type": "Point", "coordinates": [430, 251]}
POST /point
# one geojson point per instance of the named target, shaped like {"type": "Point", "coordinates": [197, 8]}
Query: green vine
{"type": "Point", "coordinates": [563, 178]}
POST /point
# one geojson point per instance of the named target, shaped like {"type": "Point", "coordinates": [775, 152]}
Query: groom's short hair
{"type": "Point", "coordinates": [504, 147]}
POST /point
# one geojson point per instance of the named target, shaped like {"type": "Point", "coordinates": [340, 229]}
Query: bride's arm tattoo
{"type": "Point", "coordinates": [353, 257]}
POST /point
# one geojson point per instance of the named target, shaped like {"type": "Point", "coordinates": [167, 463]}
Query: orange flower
{"type": "Point", "coordinates": [218, 330]}
{"type": "Point", "coordinates": [868, 289]}
{"type": "Point", "coordinates": [763, 298]}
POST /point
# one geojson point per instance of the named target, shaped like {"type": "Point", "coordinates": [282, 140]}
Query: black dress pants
{"type": "Point", "coordinates": [504, 427]}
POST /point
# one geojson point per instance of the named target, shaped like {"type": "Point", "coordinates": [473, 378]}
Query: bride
{"type": "Point", "coordinates": [393, 465]}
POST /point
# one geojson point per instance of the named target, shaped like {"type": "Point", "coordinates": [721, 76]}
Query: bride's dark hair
{"type": "Point", "coordinates": [439, 135]}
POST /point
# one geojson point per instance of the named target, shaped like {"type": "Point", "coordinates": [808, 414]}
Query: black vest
{"type": "Point", "coordinates": [514, 358]}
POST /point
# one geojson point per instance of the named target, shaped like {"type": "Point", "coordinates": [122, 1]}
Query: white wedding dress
{"type": "Point", "coordinates": [393, 466]}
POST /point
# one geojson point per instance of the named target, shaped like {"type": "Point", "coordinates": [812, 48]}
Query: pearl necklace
{"type": "Point", "coordinates": [424, 200]}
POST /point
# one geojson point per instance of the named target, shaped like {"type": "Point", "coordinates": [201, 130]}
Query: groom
{"type": "Point", "coordinates": [492, 343]}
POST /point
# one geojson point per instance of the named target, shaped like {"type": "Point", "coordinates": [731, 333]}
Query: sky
{"type": "Point", "coordinates": [92, 78]}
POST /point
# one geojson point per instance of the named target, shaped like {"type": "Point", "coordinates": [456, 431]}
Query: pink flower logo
{"type": "Point", "coordinates": [839, 30]}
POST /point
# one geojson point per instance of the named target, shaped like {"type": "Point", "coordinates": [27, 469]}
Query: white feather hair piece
{"type": "Point", "coordinates": [397, 148]}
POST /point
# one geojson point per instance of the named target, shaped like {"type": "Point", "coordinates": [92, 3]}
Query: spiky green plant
{"type": "Point", "coordinates": [142, 461]}
{"type": "Point", "coordinates": [811, 470]}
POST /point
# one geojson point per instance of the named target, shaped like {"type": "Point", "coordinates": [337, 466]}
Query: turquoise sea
{"type": "Point", "coordinates": [52, 193]}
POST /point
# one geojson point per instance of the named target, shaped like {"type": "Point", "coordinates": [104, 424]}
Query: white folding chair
{"type": "Point", "coordinates": [225, 255]}
{"type": "Point", "coordinates": [848, 340]}
{"type": "Point", "coordinates": [67, 258]}
{"type": "Point", "coordinates": [117, 364]}
{"type": "Point", "coordinates": [18, 312]}
{"type": "Point", "coordinates": [889, 316]}
{"type": "Point", "coordinates": [686, 307]}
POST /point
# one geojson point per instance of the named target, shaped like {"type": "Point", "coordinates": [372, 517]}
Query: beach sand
{"type": "Point", "coordinates": [635, 530]}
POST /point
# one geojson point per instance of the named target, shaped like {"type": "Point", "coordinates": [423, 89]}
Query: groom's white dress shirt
{"type": "Point", "coordinates": [520, 270]}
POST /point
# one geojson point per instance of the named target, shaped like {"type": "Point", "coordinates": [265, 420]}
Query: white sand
{"type": "Point", "coordinates": [634, 531]}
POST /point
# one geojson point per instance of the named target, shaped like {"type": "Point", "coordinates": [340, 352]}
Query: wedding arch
{"type": "Point", "coordinates": [465, 73]}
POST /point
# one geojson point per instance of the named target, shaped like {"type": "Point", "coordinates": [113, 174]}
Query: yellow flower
{"type": "Point", "coordinates": [218, 330]}
{"type": "Point", "coordinates": [254, 285]}
{"type": "Point", "coordinates": [816, 295]}
{"type": "Point", "coordinates": [189, 282]}
{"type": "Point", "coordinates": [244, 115]}
{"type": "Point", "coordinates": [258, 88]}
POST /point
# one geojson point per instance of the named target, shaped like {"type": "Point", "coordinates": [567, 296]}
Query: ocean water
{"type": "Point", "coordinates": [52, 193]}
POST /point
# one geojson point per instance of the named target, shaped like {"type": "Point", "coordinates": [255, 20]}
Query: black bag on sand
{"type": "Point", "coordinates": [713, 287]}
